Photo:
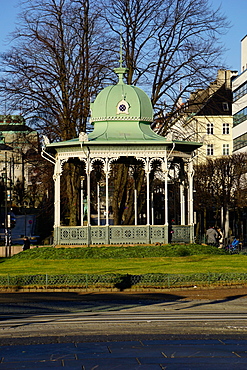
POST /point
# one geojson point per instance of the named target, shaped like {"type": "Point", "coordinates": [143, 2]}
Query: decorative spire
{"type": "Point", "coordinates": [120, 71]}
{"type": "Point", "coordinates": [121, 49]}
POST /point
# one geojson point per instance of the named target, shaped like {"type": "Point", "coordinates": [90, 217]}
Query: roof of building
{"type": "Point", "coordinates": [216, 99]}
{"type": "Point", "coordinates": [122, 112]}
{"type": "Point", "coordinates": [121, 115]}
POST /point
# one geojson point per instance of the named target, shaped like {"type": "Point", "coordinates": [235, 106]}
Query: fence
{"type": "Point", "coordinates": [113, 234]}
{"type": "Point", "coordinates": [121, 282]}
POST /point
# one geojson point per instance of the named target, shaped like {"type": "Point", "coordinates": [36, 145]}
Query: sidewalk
{"type": "Point", "coordinates": [131, 355]}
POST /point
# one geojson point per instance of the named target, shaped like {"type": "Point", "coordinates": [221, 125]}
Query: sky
{"type": "Point", "coordinates": [235, 10]}
{"type": "Point", "coordinates": [9, 11]}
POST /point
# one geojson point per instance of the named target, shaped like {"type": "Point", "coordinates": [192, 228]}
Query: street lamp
{"type": "Point", "coordinates": [4, 148]}
{"type": "Point", "coordinates": [6, 219]}
{"type": "Point", "coordinates": [82, 200]}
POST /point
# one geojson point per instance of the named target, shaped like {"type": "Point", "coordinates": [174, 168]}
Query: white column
{"type": "Point", "coordinates": [135, 204]}
{"type": "Point", "coordinates": [190, 193]}
{"type": "Point", "coordinates": [182, 204]}
{"type": "Point", "coordinates": [107, 197]}
{"type": "Point", "coordinates": [152, 208]}
{"type": "Point", "coordinates": [88, 192]}
{"type": "Point", "coordinates": [148, 198]}
{"type": "Point", "coordinates": [82, 200]}
{"type": "Point", "coordinates": [98, 203]}
{"type": "Point", "coordinates": [166, 198]}
{"type": "Point", "coordinates": [56, 178]}
{"type": "Point", "coordinates": [165, 171]}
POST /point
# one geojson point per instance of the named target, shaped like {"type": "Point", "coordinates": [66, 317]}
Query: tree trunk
{"type": "Point", "coordinates": [130, 213]}
{"type": "Point", "coordinates": [72, 179]}
{"type": "Point", "coordinates": [120, 174]}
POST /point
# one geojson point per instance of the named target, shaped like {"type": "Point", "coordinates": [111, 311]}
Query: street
{"type": "Point", "coordinates": [23, 315]}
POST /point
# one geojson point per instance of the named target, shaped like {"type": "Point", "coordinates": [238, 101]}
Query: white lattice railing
{"type": "Point", "coordinates": [140, 234]}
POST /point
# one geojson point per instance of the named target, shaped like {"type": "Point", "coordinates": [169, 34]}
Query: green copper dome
{"type": "Point", "coordinates": [122, 102]}
{"type": "Point", "coordinates": [122, 112]}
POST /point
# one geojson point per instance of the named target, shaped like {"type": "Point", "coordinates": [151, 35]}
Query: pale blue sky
{"type": "Point", "coordinates": [8, 10]}
{"type": "Point", "coordinates": [235, 10]}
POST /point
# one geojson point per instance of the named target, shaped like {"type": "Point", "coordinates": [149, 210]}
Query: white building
{"type": "Point", "coordinates": [17, 141]}
{"type": "Point", "coordinates": [18, 155]}
{"type": "Point", "coordinates": [239, 107]}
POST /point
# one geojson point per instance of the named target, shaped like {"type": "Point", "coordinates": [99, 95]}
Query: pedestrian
{"type": "Point", "coordinates": [26, 244]}
{"type": "Point", "coordinates": [219, 237]}
{"type": "Point", "coordinates": [170, 231]}
{"type": "Point", "coordinates": [211, 236]}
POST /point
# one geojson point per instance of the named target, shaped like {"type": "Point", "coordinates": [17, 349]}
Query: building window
{"type": "Point", "coordinates": [226, 129]}
{"type": "Point", "coordinates": [210, 128]}
{"type": "Point", "coordinates": [240, 117]}
{"type": "Point", "coordinates": [240, 142]}
{"type": "Point", "coordinates": [240, 91]}
{"type": "Point", "coordinates": [226, 149]}
{"type": "Point", "coordinates": [210, 149]}
{"type": "Point", "coordinates": [225, 106]}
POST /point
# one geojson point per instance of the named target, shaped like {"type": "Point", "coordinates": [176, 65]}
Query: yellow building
{"type": "Point", "coordinates": [215, 132]}
{"type": "Point", "coordinates": [208, 118]}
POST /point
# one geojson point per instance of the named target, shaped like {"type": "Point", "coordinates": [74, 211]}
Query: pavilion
{"type": "Point", "coordinates": [121, 115]}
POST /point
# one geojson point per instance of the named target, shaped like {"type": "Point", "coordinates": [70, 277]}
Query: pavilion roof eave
{"type": "Point", "coordinates": [182, 146]}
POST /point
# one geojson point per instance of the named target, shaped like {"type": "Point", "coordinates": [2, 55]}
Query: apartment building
{"type": "Point", "coordinates": [17, 143]}
{"type": "Point", "coordinates": [209, 117]}
{"type": "Point", "coordinates": [239, 106]}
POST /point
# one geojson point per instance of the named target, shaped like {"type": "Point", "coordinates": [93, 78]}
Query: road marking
{"type": "Point", "coordinates": [87, 318]}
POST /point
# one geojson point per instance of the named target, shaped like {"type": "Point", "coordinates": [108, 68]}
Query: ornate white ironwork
{"type": "Point", "coordinates": [83, 136]}
{"type": "Point", "coordinates": [122, 118]}
{"type": "Point", "coordinates": [107, 155]}
{"type": "Point", "coordinates": [46, 140]}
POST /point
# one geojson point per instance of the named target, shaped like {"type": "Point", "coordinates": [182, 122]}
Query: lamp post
{"type": "Point", "coordinates": [7, 215]}
{"type": "Point", "coordinates": [82, 200]}
{"type": "Point", "coordinates": [6, 221]}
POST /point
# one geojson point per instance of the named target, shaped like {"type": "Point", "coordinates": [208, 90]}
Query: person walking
{"type": "Point", "coordinates": [219, 238]}
{"type": "Point", "coordinates": [26, 244]}
{"type": "Point", "coordinates": [212, 235]}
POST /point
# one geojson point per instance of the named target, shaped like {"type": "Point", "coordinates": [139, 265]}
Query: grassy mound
{"type": "Point", "coordinates": [139, 251]}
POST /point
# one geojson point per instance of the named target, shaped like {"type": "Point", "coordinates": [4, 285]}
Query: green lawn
{"type": "Point", "coordinates": [186, 265]}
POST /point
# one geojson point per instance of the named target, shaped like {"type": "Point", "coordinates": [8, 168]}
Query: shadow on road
{"type": "Point", "coordinates": [30, 304]}
{"type": "Point", "coordinates": [216, 301]}
{"type": "Point", "coordinates": [33, 303]}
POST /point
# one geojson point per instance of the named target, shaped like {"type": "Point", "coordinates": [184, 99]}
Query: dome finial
{"type": "Point", "coordinates": [121, 49]}
{"type": "Point", "coordinates": [120, 71]}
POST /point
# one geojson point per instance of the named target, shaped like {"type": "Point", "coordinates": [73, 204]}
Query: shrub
{"type": "Point", "coordinates": [138, 251]}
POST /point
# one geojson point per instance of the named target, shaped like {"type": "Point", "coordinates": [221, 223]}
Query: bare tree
{"type": "Point", "coordinates": [56, 65]}
{"type": "Point", "coordinates": [54, 68]}
{"type": "Point", "coordinates": [219, 184]}
{"type": "Point", "coordinates": [63, 50]}
{"type": "Point", "coordinates": [127, 177]}
{"type": "Point", "coordinates": [171, 47]}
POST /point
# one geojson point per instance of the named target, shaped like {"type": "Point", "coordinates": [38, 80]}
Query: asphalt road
{"type": "Point", "coordinates": [111, 315]}
{"type": "Point", "coordinates": [127, 323]}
